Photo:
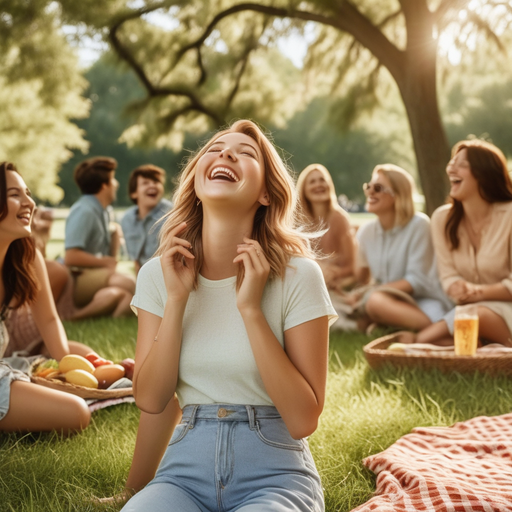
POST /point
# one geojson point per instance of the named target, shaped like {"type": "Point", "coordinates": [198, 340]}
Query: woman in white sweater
{"type": "Point", "coordinates": [233, 318]}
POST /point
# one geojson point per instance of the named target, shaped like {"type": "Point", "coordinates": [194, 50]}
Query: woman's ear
{"type": "Point", "coordinates": [264, 199]}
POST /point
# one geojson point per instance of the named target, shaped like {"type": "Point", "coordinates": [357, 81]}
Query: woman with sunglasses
{"type": "Point", "coordinates": [317, 197]}
{"type": "Point", "coordinates": [396, 252]}
{"type": "Point", "coordinates": [473, 242]}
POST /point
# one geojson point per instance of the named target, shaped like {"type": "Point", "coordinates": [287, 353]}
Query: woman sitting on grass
{"type": "Point", "coordinates": [25, 406]}
{"type": "Point", "coordinates": [233, 317]}
{"type": "Point", "coordinates": [317, 197]}
{"type": "Point", "coordinates": [396, 251]}
{"type": "Point", "coordinates": [473, 242]}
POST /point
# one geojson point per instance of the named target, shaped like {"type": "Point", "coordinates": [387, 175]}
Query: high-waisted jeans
{"type": "Point", "coordinates": [226, 458]}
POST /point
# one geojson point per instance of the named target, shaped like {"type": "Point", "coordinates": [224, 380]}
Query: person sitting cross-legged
{"type": "Point", "coordinates": [92, 244]}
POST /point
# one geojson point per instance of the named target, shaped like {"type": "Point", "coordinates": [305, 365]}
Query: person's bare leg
{"type": "Point", "coordinates": [386, 310]}
{"type": "Point", "coordinates": [123, 306]}
{"type": "Point", "coordinates": [58, 275]}
{"type": "Point", "coordinates": [492, 327]}
{"type": "Point", "coordinates": [436, 334]}
{"type": "Point", "coordinates": [104, 303]}
{"type": "Point", "coordinates": [122, 281]}
{"type": "Point", "coordinates": [36, 408]}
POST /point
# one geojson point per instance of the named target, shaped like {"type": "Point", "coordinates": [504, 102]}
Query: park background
{"type": "Point", "coordinates": [345, 84]}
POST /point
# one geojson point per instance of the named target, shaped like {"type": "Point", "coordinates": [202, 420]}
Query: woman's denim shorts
{"type": "Point", "coordinates": [226, 458]}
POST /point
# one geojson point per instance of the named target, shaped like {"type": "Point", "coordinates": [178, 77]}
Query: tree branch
{"type": "Point", "coordinates": [349, 20]}
{"type": "Point", "coordinates": [152, 90]}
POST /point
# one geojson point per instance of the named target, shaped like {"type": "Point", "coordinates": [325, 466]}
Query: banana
{"type": "Point", "coordinates": [82, 378]}
{"type": "Point", "coordinates": [75, 362]}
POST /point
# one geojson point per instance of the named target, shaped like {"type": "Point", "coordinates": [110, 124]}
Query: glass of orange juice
{"type": "Point", "coordinates": [466, 330]}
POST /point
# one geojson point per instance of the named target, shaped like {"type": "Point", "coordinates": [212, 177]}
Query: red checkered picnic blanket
{"type": "Point", "coordinates": [466, 467]}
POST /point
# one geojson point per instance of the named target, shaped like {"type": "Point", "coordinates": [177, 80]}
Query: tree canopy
{"type": "Point", "coordinates": [208, 63]}
{"type": "Point", "coordinates": [40, 94]}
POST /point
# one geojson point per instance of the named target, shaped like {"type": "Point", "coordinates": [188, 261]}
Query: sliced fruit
{"type": "Point", "coordinates": [82, 378]}
{"type": "Point", "coordinates": [75, 362]}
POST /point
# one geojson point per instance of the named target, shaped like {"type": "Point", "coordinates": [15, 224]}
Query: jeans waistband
{"type": "Point", "coordinates": [229, 412]}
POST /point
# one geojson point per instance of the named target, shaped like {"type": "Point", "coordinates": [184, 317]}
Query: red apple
{"type": "Point", "coordinates": [128, 365]}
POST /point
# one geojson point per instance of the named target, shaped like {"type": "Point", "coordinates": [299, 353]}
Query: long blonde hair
{"type": "Point", "coordinates": [305, 202]}
{"type": "Point", "coordinates": [275, 225]}
{"type": "Point", "coordinates": [403, 187]}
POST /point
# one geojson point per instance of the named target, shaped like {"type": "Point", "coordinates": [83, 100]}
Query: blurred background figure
{"type": "Point", "coordinates": [320, 206]}
{"type": "Point", "coordinates": [396, 252]}
{"type": "Point", "coordinates": [473, 242]}
{"type": "Point", "coordinates": [92, 242]}
{"type": "Point", "coordinates": [140, 223]}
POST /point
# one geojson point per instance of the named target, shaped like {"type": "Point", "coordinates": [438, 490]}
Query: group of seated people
{"type": "Point", "coordinates": [400, 269]}
{"type": "Point", "coordinates": [407, 271]}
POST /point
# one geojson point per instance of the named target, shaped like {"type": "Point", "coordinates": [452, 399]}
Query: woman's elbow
{"type": "Point", "coordinates": [150, 404]}
{"type": "Point", "coordinates": [304, 428]}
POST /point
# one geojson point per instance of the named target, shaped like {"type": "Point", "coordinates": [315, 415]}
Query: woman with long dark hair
{"type": "Point", "coordinates": [473, 242]}
{"type": "Point", "coordinates": [25, 406]}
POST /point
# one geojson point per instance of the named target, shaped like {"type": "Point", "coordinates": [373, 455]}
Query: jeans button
{"type": "Point", "coordinates": [222, 413]}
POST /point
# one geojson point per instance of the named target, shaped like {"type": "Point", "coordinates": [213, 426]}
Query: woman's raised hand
{"type": "Point", "coordinates": [178, 266]}
{"type": "Point", "coordinates": [256, 271]}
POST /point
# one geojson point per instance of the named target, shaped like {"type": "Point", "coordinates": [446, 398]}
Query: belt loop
{"type": "Point", "coordinates": [193, 414]}
{"type": "Point", "coordinates": [252, 416]}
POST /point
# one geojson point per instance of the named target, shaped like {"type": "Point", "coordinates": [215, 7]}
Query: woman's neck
{"type": "Point", "coordinates": [476, 210]}
{"type": "Point", "coordinates": [387, 219]}
{"type": "Point", "coordinates": [320, 211]}
{"type": "Point", "coordinates": [221, 235]}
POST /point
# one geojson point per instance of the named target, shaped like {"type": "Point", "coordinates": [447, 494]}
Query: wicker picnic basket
{"type": "Point", "coordinates": [377, 357]}
{"type": "Point", "coordinates": [81, 391]}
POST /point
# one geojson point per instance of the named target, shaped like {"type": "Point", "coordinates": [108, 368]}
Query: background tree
{"type": "Point", "coordinates": [40, 92]}
{"type": "Point", "coordinates": [207, 65]}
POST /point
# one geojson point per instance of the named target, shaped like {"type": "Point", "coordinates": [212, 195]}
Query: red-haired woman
{"type": "Point", "coordinates": [25, 406]}
{"type": "Point", "coordinates": [473, 242]}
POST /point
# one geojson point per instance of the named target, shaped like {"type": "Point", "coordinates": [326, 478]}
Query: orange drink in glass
{"type": "Point", "coordinates": [466, 330]}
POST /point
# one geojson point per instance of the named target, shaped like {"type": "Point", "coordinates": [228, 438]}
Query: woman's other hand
{"type": "Point", "coordinates": [256, 271]}
{"type": "Point", "coordinates": [463, 292]}
{"type": "Point", "coordinates": [178, 267]}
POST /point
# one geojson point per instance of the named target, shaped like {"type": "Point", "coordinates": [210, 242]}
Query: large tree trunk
{"type": "Point", "coordinates": [417, 84]}
{"type": "Point", "coordinates": [430, 142]}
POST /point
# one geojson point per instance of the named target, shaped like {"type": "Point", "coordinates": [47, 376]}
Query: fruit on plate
{"type": "Point", "coordinates": [108, 374]}
{"type": "Point", "coordinates": [128, 364]}
{"type": "Point", "coordinates": [82, 378]}
{"type": "Point", "coordinates": [97, 360]}
{"type": "Point", "coordinates": [75, 362]}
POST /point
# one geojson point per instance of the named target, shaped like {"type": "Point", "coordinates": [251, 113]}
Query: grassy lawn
{"type": "Point", "coordinates": [366, 411]}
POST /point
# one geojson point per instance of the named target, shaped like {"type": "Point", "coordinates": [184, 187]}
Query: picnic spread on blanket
{"type": "Point", "coordinates": [466, 468]}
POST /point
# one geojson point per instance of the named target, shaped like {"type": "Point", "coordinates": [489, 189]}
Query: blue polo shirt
{"type": "Point", "coordinates": [87, 227]}
{"type": "Point", "coordinates": [141, 235]}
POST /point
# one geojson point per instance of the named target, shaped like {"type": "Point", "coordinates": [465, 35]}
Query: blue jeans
{"type": "Point", "coordinates": [226, 458]}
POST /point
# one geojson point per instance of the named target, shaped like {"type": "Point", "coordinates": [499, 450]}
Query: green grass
{"type": "Point", "coordinates": [366, 411]}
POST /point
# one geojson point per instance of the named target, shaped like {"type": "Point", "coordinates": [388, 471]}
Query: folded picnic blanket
{"type": "Point", "coordinates": [466, 468]}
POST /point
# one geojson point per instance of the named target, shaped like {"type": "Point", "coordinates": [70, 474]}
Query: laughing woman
{"type": "Point", "coordinates": [234, 318]}
{"type": "Point", "coordinates": [25, 406]}
{"type": "Point", "coordinates": [317, 197]}
{"type": "Point", "coordinates": [396, 251]}
{"type": "Point", "coordinates": [473, 242]}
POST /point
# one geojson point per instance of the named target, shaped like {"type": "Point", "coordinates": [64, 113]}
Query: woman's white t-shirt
{"type": "Point", "coordinates": [216, 360]}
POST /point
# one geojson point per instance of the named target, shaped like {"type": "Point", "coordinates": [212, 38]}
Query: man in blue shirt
{"type": "Point", "coordinates": [92, 242]}
{"type": "Point", "coordinates": [141, 223]}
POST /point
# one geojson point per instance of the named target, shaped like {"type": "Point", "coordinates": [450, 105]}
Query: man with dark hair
{"type": "Point", "coordinates": [92, 241]}
{"type": "Point", "coordinates": [141, 223]}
